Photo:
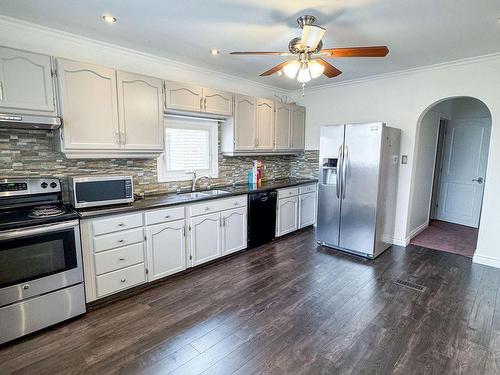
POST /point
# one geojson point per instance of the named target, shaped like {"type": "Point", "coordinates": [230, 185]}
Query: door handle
{"type": "Point", "coordinates": [337, 176]}
{"type": "Point", "coordinates": [479, 180]}
{"type": "Point", "coordinates": [344, 170]}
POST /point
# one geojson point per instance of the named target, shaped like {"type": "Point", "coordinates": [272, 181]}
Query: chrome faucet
{"type": "Point", "coordinates": [196, 179]}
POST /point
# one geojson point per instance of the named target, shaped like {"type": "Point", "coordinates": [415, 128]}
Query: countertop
{"type": "Point", "coordinates": [175, 199]}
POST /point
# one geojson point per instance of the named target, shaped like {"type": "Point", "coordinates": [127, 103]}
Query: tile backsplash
{"type": "Point", "coordinates": [32, 153]}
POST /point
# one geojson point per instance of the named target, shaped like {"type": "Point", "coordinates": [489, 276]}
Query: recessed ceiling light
{"type": "Point", "coordinates": [214, 51]}
{"type": "Point", "coordinates": [109, 18]}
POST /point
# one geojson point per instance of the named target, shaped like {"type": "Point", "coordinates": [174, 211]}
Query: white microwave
{"type": "Point", "coordinates": [101, 191]}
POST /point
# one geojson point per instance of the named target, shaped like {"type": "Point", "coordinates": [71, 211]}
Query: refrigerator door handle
{"type": "Point", "coordinates": [344, 170]}
{"type": "Point", "coordinates": [338, 180]}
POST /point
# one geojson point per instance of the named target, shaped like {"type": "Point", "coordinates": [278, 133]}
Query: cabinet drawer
{"type": "Point", "coordinates": [288, 192]}
{"type": "Point", "coordinates": [113, 260]}
{"type": "Point", "coordinates": [164, 215]}
{"type": "Point", "coordinates": [122, 279]}
{"type": "Point", "coordinates": [304, 189]}
{"type": "Point", "coordinates": [112, 241]}
{"type": "Point", "coordinates": [218, 205]}
{"type": "Point", "coordinates": [116, 223]}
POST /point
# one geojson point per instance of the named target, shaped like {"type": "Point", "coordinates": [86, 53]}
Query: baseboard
{"type": "Point", "coordinates": [406, 241]}
{"type": "Point", "coordinates": [486, 261]}
{"type": "Point", "coordinates": [400, 242]}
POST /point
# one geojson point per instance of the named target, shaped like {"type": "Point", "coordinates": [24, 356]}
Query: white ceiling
{"type": "Point", "coordinates": [417, 32]}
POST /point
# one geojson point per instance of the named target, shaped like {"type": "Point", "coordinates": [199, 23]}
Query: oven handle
{"type": "Point", "coordinates": [25, 232]}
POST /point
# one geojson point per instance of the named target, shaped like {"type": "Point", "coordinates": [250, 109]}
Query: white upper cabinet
{"type": "Point", "coordinates": [166, 249]}
{"type": "Point", "coordinates": [140, 102]}
{"type": "Point", "coordinates": [298, 127]}
{"type": "Point", "coordinates": [88, 106]}
{"type": "Point", "coordinates": [217, 102]}
{"type": "Point", "coordinates": [26, 84]}
{"type": "Point", "coordinates": [183, 97]}
{"type": "Point", "coordinates": [265, 124]}
{"type": "Point", "coordinates": [282, 126]}
{"type": "Point", "coordinates": [234, 230]}
{"type": "Point", "coordinates": [245, 123]}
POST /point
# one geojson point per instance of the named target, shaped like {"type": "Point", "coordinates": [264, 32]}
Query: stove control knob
{"type": "Point", "coordinates": [53, 185]}
{"type": "Point", "coordinates": [44, 185]}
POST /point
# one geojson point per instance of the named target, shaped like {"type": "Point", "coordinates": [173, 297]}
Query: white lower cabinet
{"type": "Point", "coordinates": [166, 249]}
{"type": "Point", "coordinates": [205, 238]}
{"type": "Point", "coordinates": [124, 250]}
{"type": "Point", "coordinates": [286, 215]}
{"type": "Point", "coordinates": [295, 209]}
{"type": "Point", "coordinates": [307, 209]}
{"type": "Point", "coordinates": [234, 230]}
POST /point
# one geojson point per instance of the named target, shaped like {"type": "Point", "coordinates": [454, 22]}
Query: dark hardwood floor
{"type": "Point", "coordinates": [287, 308]}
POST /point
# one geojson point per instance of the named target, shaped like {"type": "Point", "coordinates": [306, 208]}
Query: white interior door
{"type": "Point", "coordinates": [464, 168]}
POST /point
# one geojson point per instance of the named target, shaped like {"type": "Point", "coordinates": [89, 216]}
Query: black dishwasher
{"type": "Point", "coordinates": [261, 217]}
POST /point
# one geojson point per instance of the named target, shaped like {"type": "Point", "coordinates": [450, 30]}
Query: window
{"type": "Point", "coordinates": [190, 145]}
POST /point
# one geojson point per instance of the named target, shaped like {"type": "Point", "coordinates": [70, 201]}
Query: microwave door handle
{"type": "Point", "coordinates": [25, 232]}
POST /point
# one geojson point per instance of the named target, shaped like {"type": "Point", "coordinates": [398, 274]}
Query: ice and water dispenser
{"type": "Point", "coordinates": [329, 171]}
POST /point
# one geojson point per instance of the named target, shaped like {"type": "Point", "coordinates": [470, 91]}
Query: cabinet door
{"type": "Point", "coordinates": [140, 102]}
{"type": "Point", "coordinates": [25, 81]}
{"type": "Point", "coordinates": [282, 126]}
{"type": "Point", "coordinates": [265, 124]}
{"type": "Point", "coordinates": [307, 209]}
{"type": "Point", "coordinates": [286, 216]}
{"type": "Point", "coordinates": [205, 238]}
{"type": "Point", "coordinates": [166, 249]}
{"type": "Point", "coordinates": [298, 127]}
{"type": "Point", "coordinates": [218, 102]}
{"type": "Point", "coordinates": [89, 106]}
{"type": "Point", "coordinates": [234, 230]}
{"type": "Point", "coordinates": [244, 122]}
{"type": "Point", "coordinates": [184, 97]}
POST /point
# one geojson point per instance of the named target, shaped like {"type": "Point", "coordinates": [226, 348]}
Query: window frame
{"type": "Point", "coordinates": [179, 122]}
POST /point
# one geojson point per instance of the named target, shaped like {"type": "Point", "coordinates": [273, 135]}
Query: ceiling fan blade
{"type": "Point", "coordinates": [261, 53]}
{"type": "Point", "coordinates": [374, 51]}
{"type": "Point", "coordinates": [330, 70]}
{"type": "Point", "coordinates": [274, 69]}
{"type": "Point", "coordinates": [311, 36]}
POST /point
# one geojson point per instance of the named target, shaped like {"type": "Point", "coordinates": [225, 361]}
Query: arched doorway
{"type": "Point", "coordinates": [451, 157]}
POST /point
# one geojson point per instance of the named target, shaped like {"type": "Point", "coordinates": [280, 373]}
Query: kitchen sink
{"type": "Point", "coordinates": [194, 195]}
{"type": "Point", "coordinates": [215, 192]}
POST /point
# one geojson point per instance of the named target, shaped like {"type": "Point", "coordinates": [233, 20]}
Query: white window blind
{"type": "Point", "coordinates": [190, 145]}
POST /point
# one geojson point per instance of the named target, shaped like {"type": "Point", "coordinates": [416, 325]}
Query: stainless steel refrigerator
{"type": "Point", "coordinates": [357, 187]}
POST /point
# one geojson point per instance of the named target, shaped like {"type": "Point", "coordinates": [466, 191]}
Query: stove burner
{"type": "Point", "coordinates": [46, 211]}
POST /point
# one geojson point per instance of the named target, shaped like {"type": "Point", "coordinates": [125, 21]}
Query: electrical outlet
{"type": "Point", "coordinates": [404, 159]}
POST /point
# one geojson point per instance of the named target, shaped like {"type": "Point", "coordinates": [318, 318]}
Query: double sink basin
{"type": "Point", "coordinates": [200, 194]}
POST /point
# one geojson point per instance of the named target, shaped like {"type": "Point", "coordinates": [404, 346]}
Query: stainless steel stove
{"type": "Point", "coordinates": [41, 274]}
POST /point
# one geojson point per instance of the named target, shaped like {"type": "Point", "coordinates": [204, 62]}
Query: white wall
{"type": "Point", "coordinates": [31, 37]}
{"type": "Point", "coordinates": [400, 100]}
{"type": "Point", "coordinates": [425, 158]}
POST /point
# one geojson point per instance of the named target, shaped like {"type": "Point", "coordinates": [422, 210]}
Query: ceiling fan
{"type": "Point", "coordinates": [309, 53]}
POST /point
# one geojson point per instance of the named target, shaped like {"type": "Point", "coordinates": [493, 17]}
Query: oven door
{"type": "Point", "coordinates": [38, 260]}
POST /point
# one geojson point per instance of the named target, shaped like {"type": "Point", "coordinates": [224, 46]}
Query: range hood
{"type": "Point", "coordinates": [16, 121]}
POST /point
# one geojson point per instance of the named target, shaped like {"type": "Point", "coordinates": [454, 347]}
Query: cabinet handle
{"type": "Point", "coordinates": [167, 216]}
{"type": "Point", "coordinates": [123, 280]}
{"type": "Point", "coordinates": [224, 222]}
{"type": "Point", "coordinates": [207, 208]}
{"type": "Point", "coordinates": [118, 139]}
{"type": "Point", "coordinates": [121, 241]}
{"type": "Point", "coordinates": [124, 137]}
{"type": "Point", "coordinates": [205, 104]}
{"type": "Point", "coordinates": [121, 224]}
{"type": "Point", "coordinates": [236, 203]}
{"type": "Point", "coordinates": [1, 91]}
{"type": "Point", "coordinates": [201, 104]}
{"type": "Point", "coordinates": [121, 258]}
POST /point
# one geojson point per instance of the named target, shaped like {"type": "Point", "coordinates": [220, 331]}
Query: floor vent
{"type": "Point", "coordinates": [407, 284]}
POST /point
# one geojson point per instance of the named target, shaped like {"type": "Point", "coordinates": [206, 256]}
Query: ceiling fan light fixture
{"type": "Point", "coordinates": [311, 36]}
{"type": "Point", "coordinates": [304, 75]}
{"type": "Point", "coordinates": [291, 69]}
{"type": "Point", "coordinates": [316, 69]}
